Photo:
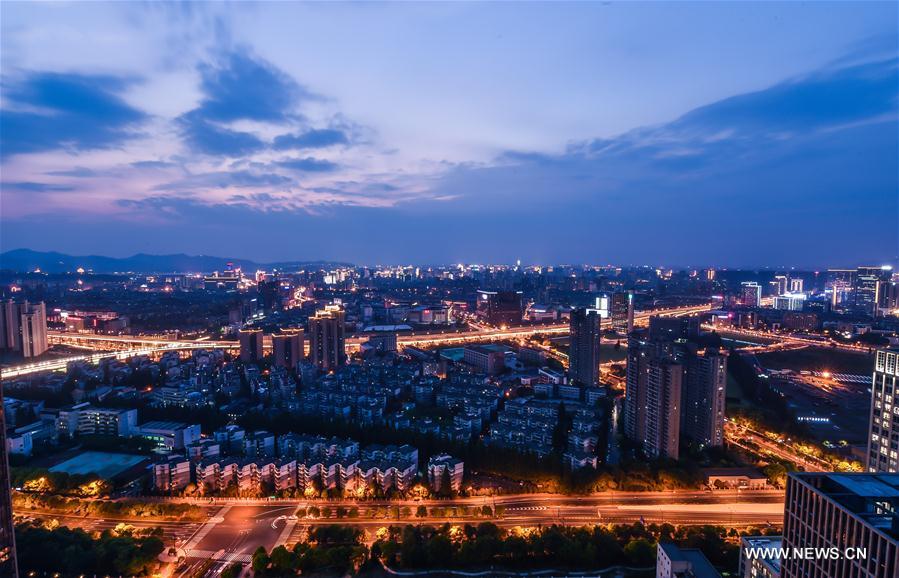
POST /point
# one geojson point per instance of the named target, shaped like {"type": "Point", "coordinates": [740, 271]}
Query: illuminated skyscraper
{"type": "Point", "coordinates": [750, 294]}
{"type": "Point", "coordinates": [23, 328]}
{"type": "Point", "coordinates": [327, 338]}
{"type": "Point", "coordinates": [883, 435]}
{"type": "Point", "coordinates": [288, 347]}
{"type": "Point", "coordinates": [856, 515]}
{"type": "Point", "coordinates": [583, 350]}
{"type": "Point", "coordinates": [250, 345]}
{"type": "Point", "coordinates": [500, 307]}
{"type": "Point", "coordinates": [675, 389]}
{"type": "Point", "coordinates": [868, 280]}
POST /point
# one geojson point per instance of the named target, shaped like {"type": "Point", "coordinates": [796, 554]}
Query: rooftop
{"type": "Point", "coordinates": [873, 498]}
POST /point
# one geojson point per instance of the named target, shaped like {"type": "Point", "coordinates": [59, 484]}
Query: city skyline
{"type": "Point", "coordinates": [224, 130]}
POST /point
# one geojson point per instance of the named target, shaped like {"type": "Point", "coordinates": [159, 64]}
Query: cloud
{"type": "Point", "coordinates": [77, 172]}
{"type": "Point", "coordinates": [209, 138]}
{"type": "Point", "coordinates": [239, 87]}
{"type": "Point", "coordinates": [33, 187]}
{"type": "Point", "coordinates": [243, 87]}
{"type": "Point", "coordinates": [227, 179]}
{"type": "Point", "coordinates": [309, 165]}
{"type": "Point", "coordinates": [312, 139]}
{"type": "Point", "coordinates": [47, 111]}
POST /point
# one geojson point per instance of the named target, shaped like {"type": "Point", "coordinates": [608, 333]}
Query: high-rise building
{"type": "Point", "coordinates": [583, 350]}
{"type": "Point", "coordinates": [327, 338]}
{"type": "Point", "coordinates": [23, 328]}
{"type": "Point", "coordinates": [288, 347]}
{"type": "Point", "coordinates": [790, 301]}
{"type": "Point", "coordinates": [500, 307]}
{"type": "Point", "coordinates": [750, 294]}
{"type": "Point", "coordinates": [269, 291]}
{"type": "Point", "coordinates": [759, 557]}
{"type": "Point", "coordinates": [796, 285]}
{"type": "Point", "coordinates": [621, 311]}
{"type": "Point", "coordinates": [703, 395]}
{"type": "Point", "coordinates": [867, 282]}
{"type": "Point", "coordinates": [883, 435]}
{"type": "Point", "coordinates": [251, 348]}
{"type": "Point", "coordinates": [840, 283]}
{"type": "Point", "coordinates": [855, 516]}
{"type": "Point", "coordinates": [781, 284]}
{"type": "Point", "coordinates": [888, 297]}
{"type": "Point", "coordinates": [7, 531]}
{"type": "Point", "coordinates": [652, 398]}
{"type": "Point", "coordinates": [675, 389]}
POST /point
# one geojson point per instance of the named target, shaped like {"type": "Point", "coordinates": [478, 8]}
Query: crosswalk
{"type": "Point", "coordinates": [218, 556]}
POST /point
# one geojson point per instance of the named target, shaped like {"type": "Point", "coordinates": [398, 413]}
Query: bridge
{"type": "Point", "coordinates": [125, 346]}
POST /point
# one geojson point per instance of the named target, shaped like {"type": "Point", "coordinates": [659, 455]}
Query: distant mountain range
{"type": "Point", "coordinates": [53, 262]}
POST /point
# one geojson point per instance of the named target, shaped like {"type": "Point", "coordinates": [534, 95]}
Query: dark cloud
{"type": "Point", "coordinates": [77, 172]}
{"type": "Point", "coordinates": [225, 179]}
{"type": "Point", "coordinates": [46, 111]}
{"type": "Point", "coordinates": [243, 87]}
{"type": "Point", "coordinates": [239, 87]}
{"type": "Point", "coordinates": [33, 187]}
{"type": "Point", "coordinates": [309, 165]}
{"type": "Point", "coordinates": [153, 164]}
{"type": "Point", "coordinates": [312, 139]}
{"type": "Point", "coordinates": [208, 138]}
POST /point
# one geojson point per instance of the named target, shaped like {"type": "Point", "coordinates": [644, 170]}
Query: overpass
{"type": "Point", "coordinates": [125, 346]}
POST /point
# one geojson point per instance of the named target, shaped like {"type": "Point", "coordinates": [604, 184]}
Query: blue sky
{"type": "Point", "coordinates": [729, 134]}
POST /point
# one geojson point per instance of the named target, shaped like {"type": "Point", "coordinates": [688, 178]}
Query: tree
{"type": "Point", "coordinates": [282, 559]}
{"type": "Point", "coordinates": [260, 560]}
{"type": "Point", "coordinates": [640, 552]}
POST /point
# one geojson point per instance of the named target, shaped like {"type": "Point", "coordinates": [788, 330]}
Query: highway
{"type": "Point", "coordinates": [122, 347]}
{"type": "Point", "coordinates": [235, 528]}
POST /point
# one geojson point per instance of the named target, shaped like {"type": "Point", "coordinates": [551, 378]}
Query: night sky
{"type": "Point", "coordinates": [750, 134]}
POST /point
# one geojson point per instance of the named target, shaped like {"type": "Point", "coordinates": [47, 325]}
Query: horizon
{"type": "Point", "coordinates": [226, 259]}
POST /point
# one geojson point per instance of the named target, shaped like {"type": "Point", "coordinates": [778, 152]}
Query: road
{"type": "Point", "coordinates": [123, 347]}
{"type": "Point", "coordinates": [738, 435]}
{"type": "Point", "coordinates": [235, 528]}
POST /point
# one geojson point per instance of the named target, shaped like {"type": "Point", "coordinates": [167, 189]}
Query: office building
{"type": "Point", "coordinates": [868, 281]}
{"type": "Point", "coordinates": [288, 347]}
{"type": "Point", "coordinates": [327, 338]}
{"type": "Point", "coordinates": [796, 285]}
{"type": "Point", "coordinates": [790, 301]}
{"type": "Point", "coordinates": [269, 295]}
{"type": "Point", "coordinates": [750, 294]}
{"type": "Point", "coordinates": [856, 515]}
{"type": "Point", "coordinates": [382, 341]}
{"type": "Point", "coordinates": [780, 285]}
{"type": "Point", "coordinates": [169, 435]}
{"type": "Point", "coordinates": [500, 308]}
{"type": "Point", "coordinates": [759, 557]}
{"type": "Point", "coordinates": [883, 435]}
{"type": "Point", "coordinates": [621, 311]}
{"type": "Point", "coordinates": [485, 358]}
{"type": "Point", "coordinates": [675, 562]}
{"type": "Point", "coordinates": [251, 346]}
{"type": "Point", "coordinates": [7, 532]}
{"type": "Point", "coordinates": [23, 328]}
{"type": "Point", "coordinates": [840, 284]}
{"type": "Point", "coordinates": [583, 349]}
